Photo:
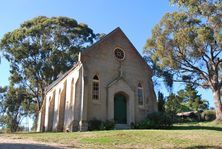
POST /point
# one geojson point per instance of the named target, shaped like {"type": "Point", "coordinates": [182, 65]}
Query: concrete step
{"type": "Point", "coordinates": [121, 126]}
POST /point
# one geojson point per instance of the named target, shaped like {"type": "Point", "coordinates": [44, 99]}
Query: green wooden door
{"type": "Point", "coordinates": [120, 109]}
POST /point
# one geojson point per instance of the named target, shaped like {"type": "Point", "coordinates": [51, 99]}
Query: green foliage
{"type": "Point", "coordinates": [188, 43]}
{"type": "Point", "coordinates": [94, 125]}
{"type": "Point", "coordinates": [156, 120]}
{"type": "Point", "coordinates": [42, 48]}
{"type": "Point", "coordinates": [161, 102]}
{"type": "Point", "coordinates": [15, 105]}
{"type": "Point", "coordinates": [185, 100]}
{"type": "Point", "coordinates": [208, 115]}
{"type": "Point", "coordinates": [174, 104]}
{"type": "Point", "coordinates": [192, 99]}
{"type": "Point", "coordinates": [3, 120]}
{"type": "Point", "coordinates": [100, 125]}
{"type": "Point", "coordinates": [108, 125]}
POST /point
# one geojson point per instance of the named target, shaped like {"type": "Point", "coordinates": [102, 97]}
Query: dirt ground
{"type": "Point", "coordinates": [18, 143]}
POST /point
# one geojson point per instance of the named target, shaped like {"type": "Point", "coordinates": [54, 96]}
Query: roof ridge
{"type": "Point", "coordinates": [101, 40]}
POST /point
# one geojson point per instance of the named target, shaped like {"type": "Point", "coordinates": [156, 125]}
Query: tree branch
{"type": "Point", "coordinates": [217, 53]}
{"type": "Point", "coordinates": [220, 84]}
{"type": "Point", "coordinates": [187, 81]}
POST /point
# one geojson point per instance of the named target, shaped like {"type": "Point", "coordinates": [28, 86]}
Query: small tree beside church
{"type": "Point", "coordinates": [186, 100]}
{"type": "Point", "coordinates": [192, 99]}
{"type": "Point", "coordinates": [14, 106]}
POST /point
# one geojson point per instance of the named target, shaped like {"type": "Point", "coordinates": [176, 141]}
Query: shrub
{"type": "Point", "coordinates": [156, 120]}
{"type": "Point", "coordinates": [100, 125]}
{"type": "Point", "coordinates": [109, 125]}
{"type": "Point", "coordinates": [208, 115]}
{"type": "Point", "coordinates": [94, 125]}
{"type": "Point", "coordinates": [145, 124]}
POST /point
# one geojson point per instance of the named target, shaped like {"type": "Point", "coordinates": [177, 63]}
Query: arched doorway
{"type": "Point", "coordinates": [120, 108]}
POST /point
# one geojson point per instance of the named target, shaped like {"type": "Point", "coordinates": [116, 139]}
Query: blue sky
{"type": "Point", "coordinates": [136, 18]}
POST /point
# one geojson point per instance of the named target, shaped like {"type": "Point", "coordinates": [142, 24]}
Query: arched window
{"type": "Point", "coordinates": [140, 94]}
{"type": "Point", "coordinates": [95, 88]}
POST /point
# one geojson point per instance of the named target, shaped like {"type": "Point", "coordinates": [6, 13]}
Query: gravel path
{"type": "Point", "coordinates": [18, 143]}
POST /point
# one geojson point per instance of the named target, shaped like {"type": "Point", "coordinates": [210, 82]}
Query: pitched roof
{"type": "Point", "coordinates": [102, 39]}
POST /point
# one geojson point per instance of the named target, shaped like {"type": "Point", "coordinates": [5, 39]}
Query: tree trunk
{"type": "Point", "coordinates": [218, 106]}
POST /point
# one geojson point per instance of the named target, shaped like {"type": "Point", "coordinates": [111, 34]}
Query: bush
{"type": "Point", "coordinates": [208, 115]}
{"type": "Point", "coordinates": [94, 125]}
{"type": "Point", "coordinates": [156, 120]}
{"type": "Point", "coordinates": [100, 125]}
{"type": "Point", "coordinates": [109, 125]}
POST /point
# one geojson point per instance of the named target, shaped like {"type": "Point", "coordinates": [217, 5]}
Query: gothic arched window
{"type": "Point", "coordinates": [95, 88]}
{"type": "Point", "coordinates": [140, 94]}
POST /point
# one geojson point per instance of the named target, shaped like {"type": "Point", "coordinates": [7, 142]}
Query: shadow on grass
{"type": "Point", "coordinates": [203, 147]}
{"type": "Point", "coordinates": [196, 128]}
{"type": "Point", "coordinates": [33, 132]}
{"type": "Point", "coordinates": [25, 146]}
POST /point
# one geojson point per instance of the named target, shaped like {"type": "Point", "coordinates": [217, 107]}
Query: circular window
{"type": "Point", "coordinates": [119, 53]}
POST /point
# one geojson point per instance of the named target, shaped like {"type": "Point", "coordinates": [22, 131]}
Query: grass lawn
{"type": "Point", "coordinates": [192, 135]}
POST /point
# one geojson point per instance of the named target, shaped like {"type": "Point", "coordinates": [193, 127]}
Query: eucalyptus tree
{"type": "Point", "coordinates": [42, 48]}
{"type": "Point", "coordinates": [188, 44]}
